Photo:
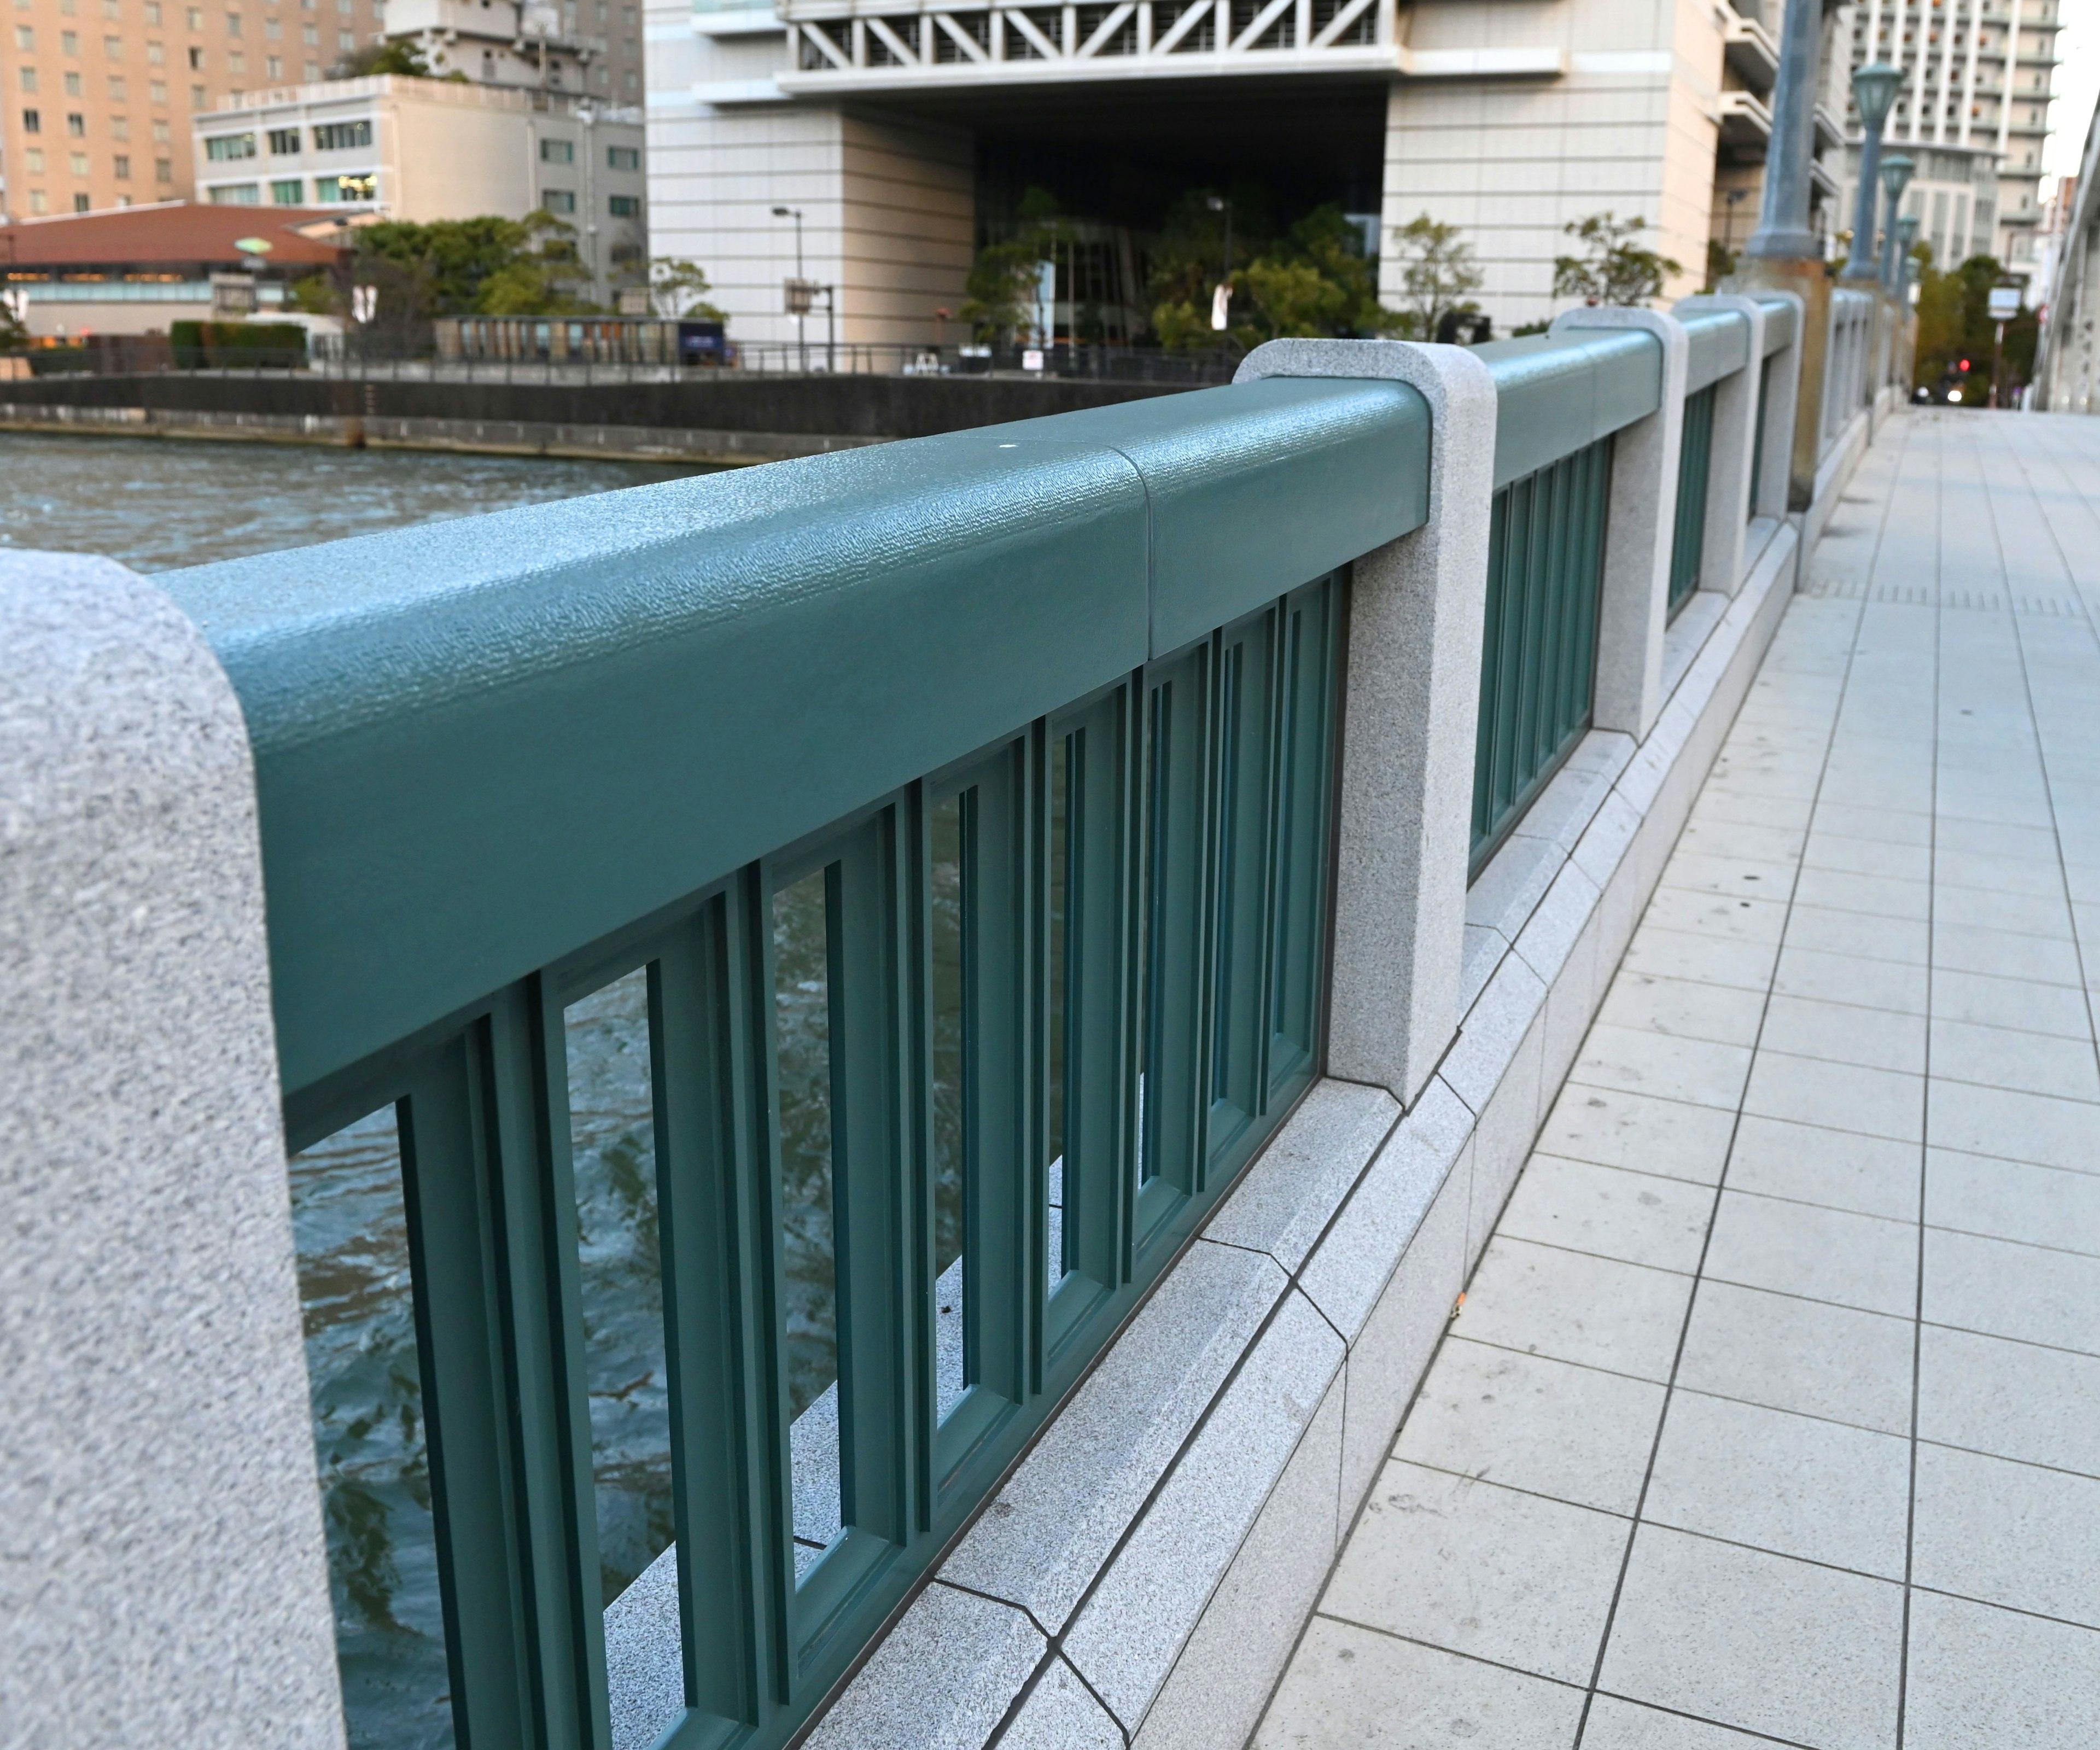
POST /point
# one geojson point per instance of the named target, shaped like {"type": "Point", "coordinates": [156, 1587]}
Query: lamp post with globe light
{"type": "Point", "coordinates": [1873, 89]}
{"type": "Point", "coordinates": [1895, 178]}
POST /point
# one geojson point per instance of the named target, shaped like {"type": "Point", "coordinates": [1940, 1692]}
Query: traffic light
{"type": "Point", "coordinates": [1963, 366]}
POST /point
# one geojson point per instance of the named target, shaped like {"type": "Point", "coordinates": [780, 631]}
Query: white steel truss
{"type": "Point", "coordinates": [876, 45]}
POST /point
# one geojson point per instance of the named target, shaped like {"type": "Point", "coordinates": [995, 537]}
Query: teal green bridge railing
{"type": "Point", "coordinates": [805, 948]}
{"type": "Point", "coordinates": [938, 835]}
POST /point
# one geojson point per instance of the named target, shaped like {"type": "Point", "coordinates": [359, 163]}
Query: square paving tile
{"type": "Point", "coordinates": [1714, 959]}
{"type": "Point", "coordinates": [1838, 1096]}
{"type": "Point", "coordinates": [1696, 1071]}
{"type": "Point", "coordinates": [1541, 1300]}
{"type": "Point", "coordinates": [1703, 872]}
{"type": "Point", "coordinates": [1616, 1724]}
{"type": "Point", "coordinates": [2004, 954]}
{"type": "Point", "coordinates": [1685, 1008]}
{"type": "Point", "coordinates": [2008, 1533]}
{"type": "Point", "coordinates": [1860, 935]}
{"type": "Point", "coordinates": [1532, 1423]}
{"type": "Point", "coordinates": [2029, 913]}
{"type": "Point", "coordinates": [1882, 896]}
{"type": "Point", "coordinates": [2034, 1063]}
{"type": "Point", "coordinates": [1825, 849]}
{"type": "Point", "coordinates": [1874, 1175]}
{"type": "Point", "coordinates": [1748, 1639]}
{"type": "Point", "coordinates": [1986, 1679]}
{"type": "Point", "coordinates": [2013, 1125]}
{"type": "Point", "coordinates": [2004, 1289]}
{"type": "Point", "coordinates": [1734, 919]}
{"type": "Point", "coordinates": [1804, 972]}
{"type": "Point", "coordinates": [2013, 1200]}
{"type": "Point", "coordinates": [1348, 1687]}
{"type": "Point", "coordinates": [1514, 1578]}
{"type": "Point", "coordinates": [1800, 1355]}
{"type": "Point", "coordinates": [1988, 1001]}
{"type": "Point", "coordinates": [1614, 1128]}
{"type": "Point", "coordinates": [1819, 1490]}
{"type": "Point", "coordinates": [1639, 1218]}
{"type": "Point", "coordinates": [1861, 1261]}
{"type": "Point", "coordinates": [1844, 1032]}
{"type": "Point", "coordinates": [2013, 1399]}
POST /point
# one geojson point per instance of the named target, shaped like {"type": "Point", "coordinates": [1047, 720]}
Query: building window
{"type": "Point", "coordinates": [233, 24]}
{"type": "Point", "coordinates": [237, 194]}
{"type": "Point", "coordinates": [123, 166]}
{"type": "Point", "coordinates": [557, 152]}
{"type": "Point", "coordinates": [33, 121]}
{"type": "Point", "coordinates": [80, 204]}
{"type": "Point", "coordinates": [76, 124]}
{"type": "Point", "coordinates": [164, 170]}
{"type": "Point", "coordinates": [156, 54]}
{"type": "Point", "coordinates": [195, 18]}
{"type": "Point", "coordinates": [77, 161]}
{"type": "Point", "coordinates": [222, 147]}
{"type": "Point", "coordinates": [120, 127]}
{"type": "Point", "coordinates": [341, 136]}
{"type": "Point", "coordinates": [312, 70]}
{"type": "Point", "coordinates": [345, 40]}
{"type": "Point", "coordinates": [159, 130]}
{"type": "Point", "coordinates": [623, 157]}
{"type": "Point", "coordinates": [25, 39]}
{"type": "Point", "coordinates": [196, 59]}
{"type": "Point", "coordinates": [72, 83]}
{"type": "Point", "coordinates": [113, 48]}
{"type": "Point", "coordinates": [28, 78]}
{"type": "Point", "coordinates": [558, 200]}
{"type": "Point", "coordinates": [35, 155]}
{"type": "Point", "coordinates": [273, 26]}
{"type": "Point", "coordinates": [624, 206]}
{"type": "Point", "coordinates": [119, 91]}
{"type": "Point", "coordinates": [273, 67]}
{"type": "Point", "coordinates": [198, 99]}
{"type": "Point", "coordinates": [331, 191]}
{"type": "Point", "coordinates": [38, 201]}
{"type": "Point", "coordinates": [69, 42]}
{"type": "Point", "coordinates": [285, 193]}
{"type": "Point", "coordinates": [284, 140]}
{"type": "Point", "coordinates": [313, 35]}
{"type": "Point", "coordinates": [235, 61]}
{"type": "Point", "coordinates": [154, 12]}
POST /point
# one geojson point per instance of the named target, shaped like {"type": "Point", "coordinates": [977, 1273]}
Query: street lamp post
{"type": "Point", "coordinates": [1873, 89]}
{"type": "Point", "coordinates": [801, 335]}
{"type": "Point", "coordinates": [1906, 263]}
{"type": "Point", "coordinates": [1782, 233]}
{"type": "Point", "coordinates": [1895, 178]}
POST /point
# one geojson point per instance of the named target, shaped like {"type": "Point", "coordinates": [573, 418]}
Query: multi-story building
{"type": "Point", "coordinates": [591, 46]}
{"type": "Point", "coordinates": [895, 137]}
{"type": "Point", "coordinates": [99, 94]}
{"type": "Point", "coordinates": [1978, 79]}
{"type": "Point", "coordinates": [424, 149]}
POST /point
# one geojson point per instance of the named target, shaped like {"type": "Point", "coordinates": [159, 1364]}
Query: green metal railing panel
{"type": "Point", "coordinates": [908, 1173]}
{"type": "Point", "coordinates": [1546, 551]}
{"type": "Point", "coordinates": [1717, 345]}
{"type": "Point", "coordinates": [463, 732]}
{"type": "Point", "coordinates": [1229, 473]}
{"type": "Point", "coordinates": [1695, 459]}
{"type": "Point", "coordinates": [1758, 439]}
{"type": "Point", "coordinates": [1782, 324]}
{"type": "Point", "coordinates": [1556, 393]}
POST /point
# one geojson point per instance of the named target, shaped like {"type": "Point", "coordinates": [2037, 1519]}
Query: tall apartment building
{"type": "Point", "coordinates": [99, 94]}
{"type": "Point", "coordinates": [898, 135]}
{"type": "Point", "coordinates": [1978, 80]}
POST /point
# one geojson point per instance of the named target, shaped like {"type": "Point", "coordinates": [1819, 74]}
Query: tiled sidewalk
{"type": "Point", "coordinates": [1772, 1414]}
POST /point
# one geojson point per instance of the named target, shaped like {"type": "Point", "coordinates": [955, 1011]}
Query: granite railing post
{"type": "Point", "coordinates": [1414, 682]}
{"type": "Point", "coordinates": [165, 1581]}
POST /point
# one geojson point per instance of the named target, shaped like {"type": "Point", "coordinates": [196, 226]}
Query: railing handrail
{"type": "Point", "coordinates": [1779, 317]}
{"type": "Point", "coordinates": [1719, 345]}
{"type": "Point", "coordinates": [467, 734]}
{"type": "Point", "coordinates": [1557, 394]}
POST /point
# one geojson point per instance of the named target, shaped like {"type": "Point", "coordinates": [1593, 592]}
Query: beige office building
{"type": "Point", "coordinates": [901, 130]}
{"type": "Point", "coordinates": [424, 149]}
{"type": "Point", "coordinates": [99, 94]}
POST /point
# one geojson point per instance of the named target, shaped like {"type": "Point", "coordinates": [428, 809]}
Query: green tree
{"type": "Point", "coordinates": [1437, 272]}
{"type": "Point", "coordinates": [1612, 268]}
{"type": "Point", "coordinates": [1314, 281]}
{"type": "Point", "coordinates": [14, 337]}
{"type": "Point", "coordinates": [1954, 323]}
{"type": "Point", "coordinates": [474, 266]}
{"type": "Point", "coordinates": [1000, 300]}
{"type": "Point", "coordinates": [678, 287]}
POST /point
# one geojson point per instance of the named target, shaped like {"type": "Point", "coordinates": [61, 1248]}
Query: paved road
{"type": "Point", "coordinates": [1772, 1414]}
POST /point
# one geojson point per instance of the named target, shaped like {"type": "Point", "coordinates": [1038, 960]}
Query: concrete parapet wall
{"type": "Point", "coordinates": [163, 1581]}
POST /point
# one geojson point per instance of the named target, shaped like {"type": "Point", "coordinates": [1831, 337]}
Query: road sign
{"type": "Point", "coordinates": [2005, 302]}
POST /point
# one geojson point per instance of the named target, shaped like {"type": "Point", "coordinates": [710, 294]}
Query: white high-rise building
{"type": "Point", "coordinates": [1978, 79]}
{"type": "Point", "coordinates": [873, 146]}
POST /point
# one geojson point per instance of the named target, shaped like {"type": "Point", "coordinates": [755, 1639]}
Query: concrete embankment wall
{"type": "Point", "coordinates": [730, 419]}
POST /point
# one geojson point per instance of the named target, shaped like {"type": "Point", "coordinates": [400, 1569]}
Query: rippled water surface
{"type": "Point", "coordinates": [160, 503]}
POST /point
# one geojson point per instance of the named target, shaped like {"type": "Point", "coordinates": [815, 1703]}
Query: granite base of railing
{"type": "Point", "coordinates": [484, 437]}
{"type": "Point", "coordinates": [1143, 1575]}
